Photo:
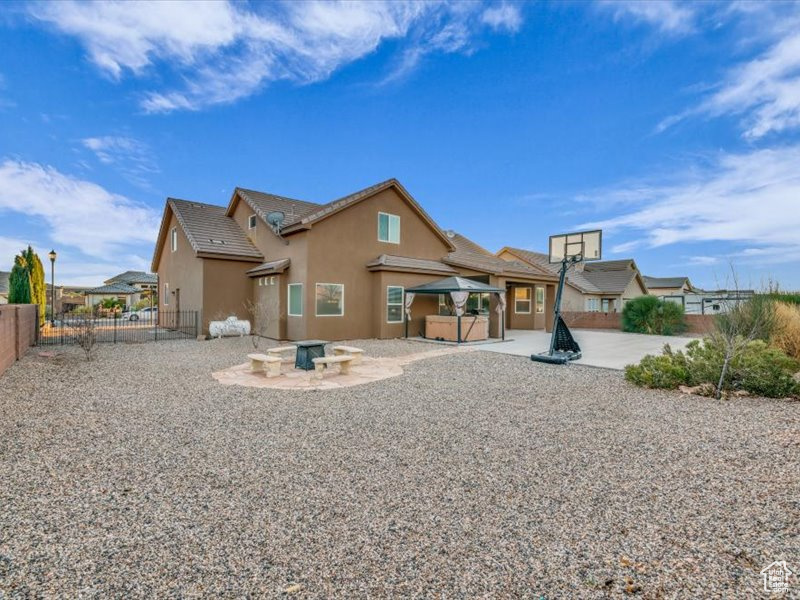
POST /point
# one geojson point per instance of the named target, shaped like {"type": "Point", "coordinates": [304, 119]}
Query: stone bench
{"type": "Point", "coordinates": [344, 361]}
{"type": "Point", "coordinates": [271, 365]}
{"type": "Point", "coordinates": [281, 351]}
{"type": "Point", "coordinates": [356, 353]}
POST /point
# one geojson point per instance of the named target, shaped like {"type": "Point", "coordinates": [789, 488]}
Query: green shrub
{"type": "Point", "coordinates": [667, 371]}
{"type": "Point", "coordinates": [754, 319]}
{"type": "Point", "coordinates": [648, 314]}
{"type": "Point", "coordinates": [759, 369]}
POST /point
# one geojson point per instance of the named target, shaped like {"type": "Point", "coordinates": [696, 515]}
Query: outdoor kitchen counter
{"type": "Point", "coordinates": [446, 327]}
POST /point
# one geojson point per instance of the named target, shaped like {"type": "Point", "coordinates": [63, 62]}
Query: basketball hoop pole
{"type": "Point", "coordinates": [557, 308]}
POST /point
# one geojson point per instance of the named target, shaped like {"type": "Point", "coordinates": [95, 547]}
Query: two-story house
{"type": "Point", "coordinates": [302, 270]}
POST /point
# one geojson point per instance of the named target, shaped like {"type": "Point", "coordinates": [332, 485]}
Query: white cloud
{"type": "Point", "coordinates": [10, 247]}
{"type": "Point", "coordinates": [224, 51]}
{"type": "Point", "coordinates": [751, 200]}
{"type": "Point", "coordinates": [75, 213]}
{"type": "Point", "coordinates": [503, 16]}
{"type": "Point", "coordinates": [669, 17]}
{"type": "Point", "coordinates": [131, 157]}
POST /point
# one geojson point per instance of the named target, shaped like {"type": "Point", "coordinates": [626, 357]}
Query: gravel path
{"type": "Point", "coordinates": [473, 474]}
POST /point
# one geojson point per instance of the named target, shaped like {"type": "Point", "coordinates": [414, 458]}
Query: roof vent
{"type": "Point", "coordinates": [220, 242]}
{"type": "Point", "coordinates": [450, 233]}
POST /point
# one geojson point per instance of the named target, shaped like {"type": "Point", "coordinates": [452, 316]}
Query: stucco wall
{"type": "Point", "coordinates": [340, 247]}
{"type": "Point", "coordinates": [183, 271]}
{"type": "Point", "coordinates": [18, 331]}
{"type": "Point", "coordinates": [268, 312]}
{"type": "Point", "coordinates": [227, 290]}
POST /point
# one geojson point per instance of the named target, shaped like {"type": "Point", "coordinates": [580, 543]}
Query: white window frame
{"type": "Point", "coordinates": [539, 305]}
{"type": "Point", "coordinates": [317, 284]}
{"type": "Point", "coordinates": [251, 221]}
{"type": "Point", "coordinates": [529, 300]}
{"type": "Point", "coordinates": [592, 305]}
{"type": "Point", "coordinates": [289, 300]}
{"type": "Point", "coordinates": [401, 304]}
{"type": "Point", "coordinates": [389, 239]}
{"type": "Point", "coordinates": [166, 294]}
{"type": "Point", "coordinates": [173, 239]}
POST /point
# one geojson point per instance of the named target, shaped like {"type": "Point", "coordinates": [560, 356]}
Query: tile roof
{"type": "Point", "coordinates": [263, 204]}
{"type": "Point", "coordinates": [210, 231]}
{"type": "Point", "coordinates": [404, 262]}
{"type": "Point", "coordinates": [4, 281]}
{"type": "Point", "coordinates": [114, 288]}
{"type": "Point", "coordinates": [664, 282]}
{"type": "Point", "coordinates": [610, 281]}
{"type": "Point", "coordinates": [133, 277]}
{"type": "Point", "coordinates": [267, 268]}
{"type": "Point", "coordinates": [470, 255]}
{"type": "Point", "coordinates": [574, 277]}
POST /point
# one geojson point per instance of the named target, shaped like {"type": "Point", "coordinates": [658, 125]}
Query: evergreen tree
{"type": "Point", "coordinates": [19, 283]}
{"type": "Point", "coordinates": [38, 287]}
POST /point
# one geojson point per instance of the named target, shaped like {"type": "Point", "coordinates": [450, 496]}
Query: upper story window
{"type": "Point", "coordinates": [251, 222]}
{"type": "Point", "coordinates": [388, 228]}
{"type": "Point", "coordinates": [174, 239]}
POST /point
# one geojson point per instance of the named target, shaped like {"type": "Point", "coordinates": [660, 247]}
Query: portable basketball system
{"type": "Point", "coordinates": [568, 249]}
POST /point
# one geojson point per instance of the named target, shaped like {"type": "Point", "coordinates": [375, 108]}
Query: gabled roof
{"type": "Point", "coordinates": [114, 288]}
{"type": "Point", "coordinates": [665, 282]}
{"type": "Point", "coordinates": [470, 255]}
{"type": "Point", "coordinates": [263, 203]}
{"type": "Point", "coordinates": [269, 268]}
{"type": "Point", "coordinates": [131, 277]}
{"type": "Point", "coordinates": [209, 230]}
{"type": "Point", "coordinates": [4, 275]}
{"type": "Point", "coordinates": [388, 262]}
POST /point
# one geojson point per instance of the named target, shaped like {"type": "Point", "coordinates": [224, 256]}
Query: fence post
{"type": "Point", "coordinates": [155, 327]}
{"type": "Point", "coordinates": [115, 326]}
{"type": "Point", "coordinates": [196, 331]}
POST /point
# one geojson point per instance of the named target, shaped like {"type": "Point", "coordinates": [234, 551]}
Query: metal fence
{"type": "Point", "coordinates": [174, 325]}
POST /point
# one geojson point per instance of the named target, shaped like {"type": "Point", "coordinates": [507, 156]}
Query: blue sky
{"type": "Point", "coordinates": [673, 126]}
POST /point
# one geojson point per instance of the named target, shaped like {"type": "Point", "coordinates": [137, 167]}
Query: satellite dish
{"type": "Point", "coordinates": [275, 220]}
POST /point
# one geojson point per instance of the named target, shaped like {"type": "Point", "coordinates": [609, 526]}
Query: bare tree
{"type": "Point", "coordinates": [85, 332]}
{"type": "Point", "coordinates": [262, 314]}
{"type": "Point", "coordinates": [741, 323]}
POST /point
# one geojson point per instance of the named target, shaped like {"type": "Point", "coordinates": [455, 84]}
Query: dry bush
{"type": "Point", "coordinates": [85, 332]}
{"type": "Point", "coordinates": [786, 331]}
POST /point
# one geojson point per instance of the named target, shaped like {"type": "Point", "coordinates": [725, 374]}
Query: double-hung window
{"type": "Point", "coordinates": [394, 304]}
{"type": "Point", "coordinates": [388, 228]}
{"type": "Point", "coordinates": [592, 305]}
{"type": "Point", "coordinates": [295, 293]}
{"type": "Point", "coordinates": [522, 300]}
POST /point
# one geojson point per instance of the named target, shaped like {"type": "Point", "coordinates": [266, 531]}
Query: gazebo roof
{"type": "Point", "coordinates": [453, 284]}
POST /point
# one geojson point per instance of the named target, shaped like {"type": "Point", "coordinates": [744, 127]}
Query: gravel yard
{"type": "Point", "coordinates": [474, 474]}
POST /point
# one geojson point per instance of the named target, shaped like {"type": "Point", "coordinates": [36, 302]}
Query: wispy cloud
{"type": "Point", "coordinates": [667, 16]}
{"type": "Point", "coordinates": [750, 200]}
{"type": "Point", "coordinates": [224, 51]}
{"type": "Point", "coordinates": [131, 157]}
{"type": "Point", "coordinates": [74, 212]}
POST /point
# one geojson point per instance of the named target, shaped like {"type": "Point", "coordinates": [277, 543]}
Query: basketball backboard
{"type": "Point", "coordinates": [581, 246]}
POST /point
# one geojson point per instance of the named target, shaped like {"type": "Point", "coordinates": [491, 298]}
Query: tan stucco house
{"type": "Point", "coordinates": [128, 287]}
{"type": "Point", "coordinates": [601, 286]}
{"type": "Point", "coordinates": [331, 271]}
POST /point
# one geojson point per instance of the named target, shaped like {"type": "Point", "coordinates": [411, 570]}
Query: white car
{"type": "Point", "coordinates": [146, 314]}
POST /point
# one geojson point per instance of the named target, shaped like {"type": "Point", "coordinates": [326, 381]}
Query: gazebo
{"type": "Point", "coordinates": [459, 289]}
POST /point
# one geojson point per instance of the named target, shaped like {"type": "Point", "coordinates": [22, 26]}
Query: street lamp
{"type": "Point", "coordinates": [52, 256]}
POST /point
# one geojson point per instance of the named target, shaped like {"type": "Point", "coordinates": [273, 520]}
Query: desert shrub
{"type": "Point", "coordinates": [787, 297]}
{"type": "Point", "coordinates": [758, 369]}
{"type": "Point", "coordinates": [667, 371]}
{"type": "Point", "coordinates": [754, 318]}
{"type": "Point", "coordinates": [648, 314]}
{"type": "Point", "coordinates": [785, 333]}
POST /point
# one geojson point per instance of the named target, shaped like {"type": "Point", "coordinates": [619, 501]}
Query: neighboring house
{"type": "Point", "coordinates": [68, 297]}
{"type": "Point", "coordinates": [137, 279]}
{"type": "Point", "coordinates": [601, 286]}
{"type": "Point", "coordinates": [4, 286]}
{"type": "Point", "coordinates": [668, 286]}
{"type": "Point", "coordinates": [127, 294]}
{"type": "Point", "coordinates": [332, 271]}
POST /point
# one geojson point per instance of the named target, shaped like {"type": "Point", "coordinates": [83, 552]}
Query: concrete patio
{"type": "Point", "coordinates": [600, 348]}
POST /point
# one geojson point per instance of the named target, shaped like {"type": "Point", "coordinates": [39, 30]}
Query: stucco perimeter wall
{"type": "Point", "coordinates": [339, 249]}
{"type": "Point", "coordinates": [18, 331]}
{"type": "Point", "coordinates": [697, 324]}
{"type": "Point", "coordinates": [181, 270]}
